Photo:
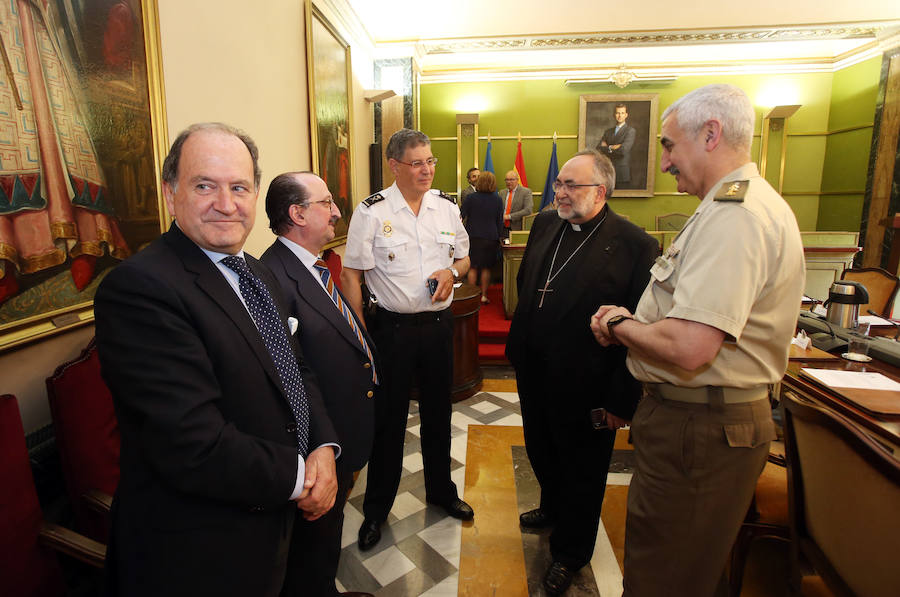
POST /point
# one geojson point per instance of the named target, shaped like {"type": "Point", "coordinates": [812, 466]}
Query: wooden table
{"type": "Point", "coordinates": [884, 428]}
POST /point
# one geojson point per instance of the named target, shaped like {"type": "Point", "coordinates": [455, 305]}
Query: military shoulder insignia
{"type": "Point", "coordinates": [444, 195]}
{"type": "Point", "coordinates": [373, 199]}
{"type": "Point", "coordinates": [733, 191]}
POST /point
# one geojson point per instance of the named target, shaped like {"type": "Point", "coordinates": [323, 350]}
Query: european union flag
{"type": "Point", "coordinates": [488, 162]}
{"type": "Point", "coordinates": [552, 173]}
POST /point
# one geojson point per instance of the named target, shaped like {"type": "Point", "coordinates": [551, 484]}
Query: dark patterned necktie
{"type": "Point", "coordinates": [325, 274]}
{"type": "Point", "coordinates": [274, 334]}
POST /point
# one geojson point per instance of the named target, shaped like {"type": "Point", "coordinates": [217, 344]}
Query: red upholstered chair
{"type": "Point", "coordinates": [333, 261]}
{"type": "Point", "coordinates": [87, 436]}
{"type": "Point", "coordinates": [28, 566]}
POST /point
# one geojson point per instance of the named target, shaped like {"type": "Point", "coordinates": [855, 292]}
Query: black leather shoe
{"type": "Point", "coordinates": [369, 534]}
{"type": "Point", "coordinates": [558, 579]}
{"type": "Point", "coordinates": [458, 509]}
{"type": "Point", "coordinates": [535, 519]}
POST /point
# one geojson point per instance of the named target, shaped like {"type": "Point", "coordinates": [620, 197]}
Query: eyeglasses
{"type": "Point", "coordinates": [418, 164]}
{"type": "Point", "coordinates": [570, 187]}
{"type": "Point", "coordinates": [328, 203]}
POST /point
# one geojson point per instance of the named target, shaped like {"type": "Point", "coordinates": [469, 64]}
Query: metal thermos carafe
{"type": "Point", "coordinates": [844, 299]}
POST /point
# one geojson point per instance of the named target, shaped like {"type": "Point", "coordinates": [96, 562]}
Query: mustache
{"type": "Point", "coordinates": [334, 220]}
{"type": "Point", "coordinates": [674, 171]}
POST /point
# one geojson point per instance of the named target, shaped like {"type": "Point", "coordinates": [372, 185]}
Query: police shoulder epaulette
{"type": "Point", "coordinates": [444, 195]}
{"type": "Point", "coordinates": [373, 199]}
{"type": "Point", "coordinates": [733, 191]}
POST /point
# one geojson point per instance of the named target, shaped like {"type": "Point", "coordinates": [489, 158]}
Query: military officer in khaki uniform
{"type": "Point", "coordinates": [410, 244]}
{"type": "Point", "coordinates": [710, 334]}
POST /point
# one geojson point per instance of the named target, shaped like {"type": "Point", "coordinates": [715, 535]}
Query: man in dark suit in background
{"type": "Point", "coordinates": [216, 412]}
{"type": "Point", "coordinates": [471, 176]}
{"type": "Point", "coordinates": [616, 143]}
{"type": "Point", "coordinates": [573, 260]}
{"type": "Point", "coordinates": [337, 348]}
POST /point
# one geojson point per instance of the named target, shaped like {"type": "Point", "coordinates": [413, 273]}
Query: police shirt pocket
{"type": "Point", "coordinates": [390, 254]}
{"type": "Point", "coordinates": [445, 243]}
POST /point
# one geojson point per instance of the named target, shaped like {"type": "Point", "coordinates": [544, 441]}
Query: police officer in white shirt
{"type": "Point", "coordinates": [410, 244]}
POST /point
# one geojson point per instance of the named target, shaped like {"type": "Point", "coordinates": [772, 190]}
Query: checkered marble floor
{"type": "Point", "coordinates": [419, 552]}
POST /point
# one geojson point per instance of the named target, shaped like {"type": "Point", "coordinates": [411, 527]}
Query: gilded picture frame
{"type": "Point", "coordinates": [329, 78]}
{"type": "Point", "coordinates": [81, 192]}
{"type": "Point", "coordinates": [635, 166]}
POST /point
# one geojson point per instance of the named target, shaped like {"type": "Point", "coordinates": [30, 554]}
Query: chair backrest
{"type": "Point", "coordinates": [844, 493]}
{"type": "Point", "coordinates": [882, 287]}
{"type": "Point", "coordinates": [527, 221]}
{"type": "Point", "coordinates": [87, 435]}
{"type": "Point", "coordinates": [26, 568]}
{"type": "Point", "coordinates": [673, 221]}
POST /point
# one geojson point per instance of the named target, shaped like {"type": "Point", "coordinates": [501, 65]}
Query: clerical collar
{"type": "Point", "coordinates": [589, 225]}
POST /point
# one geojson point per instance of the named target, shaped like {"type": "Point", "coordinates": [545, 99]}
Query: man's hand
{"type": "Point", "coordinates": [506, 217]}
{"type": "Point", "coordinates": [598, 323]}
{"type": "Point", "coordinates": [445, 284]}
{"type": "Point", "coordinates": [615, 147]}
{"type": "Point", "coordinates": [320, 484]}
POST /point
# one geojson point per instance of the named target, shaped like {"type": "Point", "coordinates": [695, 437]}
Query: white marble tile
{"type": "Point", "coordinates": [339, 586]}
{"type": "Point", "coordinates": [415, 430]}
{"type": "Point", "coordinates": [406, 504]}
{"type": "Point", "coordinates": [462, 421]}
{"type": "Point", "coordinates": [458, 447]}
{"type": "Point", "coordinates": [353, 518]}
{"type": "Point", "coordinates": [605, 566]}
{"type": "Point", "coordinates": [618, 479]}
{"type": "Point", "coordinates": [512, 397]}
{"type": "Point", "coordinates": [388, 565]}
{"type": "Point", "coordinates": [512, 420]}
{"type": "Point", "coordinates": [459, 478]}
{"type": "Point", "coordinates": [445, 537]}
{"type": "Point", "coordinates": [446, 588]}
{"type": "Point", "coordinates": [413, 462]}
{"type": "Point", "coordinates": [359, 487]}
{"type": "Point", "coordinates": [485, 407]}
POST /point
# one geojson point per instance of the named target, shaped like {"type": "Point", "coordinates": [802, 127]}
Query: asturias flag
{"type": "Point", "coordinates": [488, 162]}
{"type": "Point", "coordinates": [552, 173]}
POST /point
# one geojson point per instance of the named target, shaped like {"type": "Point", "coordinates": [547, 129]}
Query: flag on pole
{"type": "Point", "coordinates": [520, 166]}
{"type": "Point", "coordinates": [488, 162]}
{"type": "Point", "coordinates": [552, 173]}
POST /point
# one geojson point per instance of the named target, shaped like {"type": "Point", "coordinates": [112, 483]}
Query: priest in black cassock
{"type": "Point", "coordinates": [577, 258]}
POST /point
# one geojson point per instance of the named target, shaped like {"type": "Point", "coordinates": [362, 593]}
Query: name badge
{"type": "Point", "coordinates": [662, 268]}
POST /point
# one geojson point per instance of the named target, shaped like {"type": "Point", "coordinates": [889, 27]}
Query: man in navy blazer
{"type": "Point", "coordinates": [303, 215]}
{"type": "Point", "coordinates": [211, 476]}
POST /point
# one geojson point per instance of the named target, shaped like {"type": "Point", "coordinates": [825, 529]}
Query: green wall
{"type": "Point", "coordinates": [542, 107]}
{"type": "Point", "coordinates": [844, 170]}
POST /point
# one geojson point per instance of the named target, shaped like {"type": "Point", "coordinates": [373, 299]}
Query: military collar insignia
{"type": "Point", "coordinates": [373, 199]}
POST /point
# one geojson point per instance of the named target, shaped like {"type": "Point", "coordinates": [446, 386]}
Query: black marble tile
{"type": "Point", "coordinates": [414, 582]}
{"type": "Point", "coordinates": [426, 558]}
{"type": "Point", "coordinates": [352, 574]}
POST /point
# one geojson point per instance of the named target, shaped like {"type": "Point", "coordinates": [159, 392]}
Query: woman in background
{"type": "Point", "coordinates": [483, 215]}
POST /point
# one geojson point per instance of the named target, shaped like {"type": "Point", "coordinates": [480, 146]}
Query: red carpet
{"type": "Point", "coordinates": [493, 328]}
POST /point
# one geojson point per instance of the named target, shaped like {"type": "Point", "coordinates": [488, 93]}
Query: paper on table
{"type": "Point", "coordinates": [873, 320]}
{"type": "Point", "coordinates": [866, 380]}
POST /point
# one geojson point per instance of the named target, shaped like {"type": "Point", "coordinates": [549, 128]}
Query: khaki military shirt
{"type": "Point", "coordinates": [398, 250]}
{"type": "Point", "coordinates": [737, 266]}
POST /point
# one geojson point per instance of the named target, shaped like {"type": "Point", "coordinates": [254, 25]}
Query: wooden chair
{"type": "Point", "coordinates": [882, 287]}
{"type": "Point", "coordinates": [844, 492]}
{"type": "Point", "coordinates": [527, 221]}
{"type": "Point", "coordinates": [28, 565]}
{"type": "Point", "coordinates": [673, 221]}
{"type": "Point", "coordinates": [766, 518]}
{"type": "Point", "coordinates": [88, 440]}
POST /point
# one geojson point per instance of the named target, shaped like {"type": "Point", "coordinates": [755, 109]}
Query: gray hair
{"type": "Point", "coordinates": [403, 139]}
{"type": "Point", "coordinates": [170, 165]}
{"type": "Point", "coordinates": [726, 103]}
{"type": "Point", "coordinates": [604, 172]}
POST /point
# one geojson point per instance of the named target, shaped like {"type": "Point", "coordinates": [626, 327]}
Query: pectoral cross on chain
{"type": "Point", "coordinates": [544, 292]}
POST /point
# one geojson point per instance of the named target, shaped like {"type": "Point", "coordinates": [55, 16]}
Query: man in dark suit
{"type": "Point", "coordinates": [471, 176]}
{"type": "Point", "coordinates": [616, 143]}
{"type": "Point", "coordinates": [574, 259]}
{"type": "Point", "coordinates": [337, 348]}
{"type": "Point", "coordinates": [216, 412]}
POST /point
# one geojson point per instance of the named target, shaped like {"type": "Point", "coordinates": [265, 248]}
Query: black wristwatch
{"type": "Point", "coordinates": [613, 322]}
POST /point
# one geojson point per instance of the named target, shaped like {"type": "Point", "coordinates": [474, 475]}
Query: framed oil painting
{"type": "Point", "coordinates": [623, 127]}
{"type": "Point", "coordinates": [328, 72]}
{"type": "Point", "coordinates": [84, 134]}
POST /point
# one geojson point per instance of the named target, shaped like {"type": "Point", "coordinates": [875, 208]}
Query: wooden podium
{"type": "Point", "coordinates": [467, 375]}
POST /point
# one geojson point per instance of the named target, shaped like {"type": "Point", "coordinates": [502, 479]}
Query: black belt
{"type": "Point", "coordinates": [408, 319]}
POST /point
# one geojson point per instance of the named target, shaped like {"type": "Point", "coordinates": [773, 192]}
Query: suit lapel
{"type": "Point", "coordinates": [310, 291]}
{"type": "Point", "coordinates": [211, 281]}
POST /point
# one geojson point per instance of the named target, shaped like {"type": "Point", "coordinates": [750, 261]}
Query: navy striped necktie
{"type": "Point", "coordinates": [274, 334]}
